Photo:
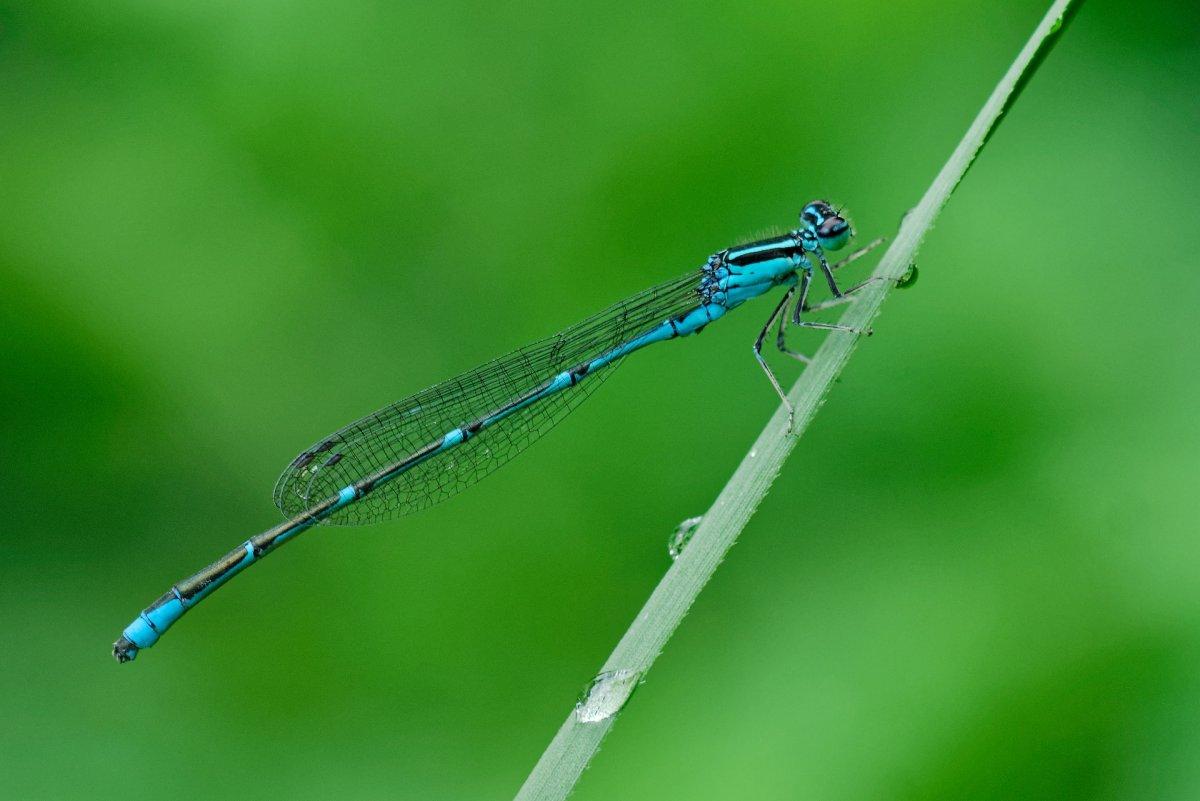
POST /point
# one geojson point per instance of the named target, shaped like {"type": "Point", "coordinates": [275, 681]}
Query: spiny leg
{"type": "Point", "coordinates": [825, 268]}
{"type": "Point", "coordinates": [844, 297]}
{"type": "Point", "coordinates": [763, 363]}
{"type": "Point", "coordinates": [781, 334]}
{"type": "Point", "coordinates": [781, 342]}
{"type": "Point", "coordinates": [847, 296]}
{"type": "Point", "coordinates": [858, 254]}
{"type": "Point", "coordinates": [905, 281]}
{"type": "Point", "coordinates": [839, 298]}
{"type": "Point", "coordinates": [800, 306]}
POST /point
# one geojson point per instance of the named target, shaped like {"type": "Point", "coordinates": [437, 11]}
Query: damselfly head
{"type": "Point", "coordinates": [830, 228]}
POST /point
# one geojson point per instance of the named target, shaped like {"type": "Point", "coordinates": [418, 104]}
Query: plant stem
{"type": "Point", "coordinates": [560, 766]}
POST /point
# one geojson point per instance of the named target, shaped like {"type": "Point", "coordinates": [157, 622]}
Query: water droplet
{"type": "Point", "coordinates": [753, 453]}
{"type": "Point", "coordinates": [682, 535]}
{"type": "Point", "coordinates": [909, 278]}
{"type": "Point", "coordinates": [606, 695]}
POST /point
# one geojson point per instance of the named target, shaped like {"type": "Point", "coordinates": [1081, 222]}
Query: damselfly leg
{"type": "Point", "coordinates": [781, 333]}
{"type": "Point", "coordinates": [828, 271]}
{"type": "Point", "coordinates": [803, 307]}
{"type": "Point", "coordinates": [858, 254]}
{"type": "Point", "coordinates": [846, 297]}
{"type": "Point", "coordinates": [802, 304]}
{"type": "Point", "coordinates": [781, 342]}
{"type": "Point", "coordinates": [780, 311]}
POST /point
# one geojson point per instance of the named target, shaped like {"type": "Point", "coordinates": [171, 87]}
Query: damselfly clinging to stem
{"type": "Point", "coordinates": [426, 448]}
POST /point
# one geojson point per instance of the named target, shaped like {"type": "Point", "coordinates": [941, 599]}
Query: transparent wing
{"type": "Point", "coordinates": [396, 432]}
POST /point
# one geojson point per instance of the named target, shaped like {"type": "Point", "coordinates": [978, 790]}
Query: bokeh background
{"type": "Point", "coordinates": [229, 228]}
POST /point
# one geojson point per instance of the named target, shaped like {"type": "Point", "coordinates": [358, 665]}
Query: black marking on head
{"type": "Point", "coordinates": [815, 212]}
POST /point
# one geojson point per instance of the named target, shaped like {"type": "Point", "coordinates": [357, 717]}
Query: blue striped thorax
{"type": "Point", "coordinates": [739, 273]}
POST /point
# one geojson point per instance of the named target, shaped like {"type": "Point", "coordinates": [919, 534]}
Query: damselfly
{"type": "Point", "coordinates": [428, 447]}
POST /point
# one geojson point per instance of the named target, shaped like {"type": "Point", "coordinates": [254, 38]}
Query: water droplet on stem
{"type": "Point", "coordinates": [606, 695]}
{"type": "Point", "coordinates": [682, 535]}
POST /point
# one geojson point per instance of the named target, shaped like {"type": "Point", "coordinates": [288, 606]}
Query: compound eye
{"type": "Point", "coordinates": [833, 232]}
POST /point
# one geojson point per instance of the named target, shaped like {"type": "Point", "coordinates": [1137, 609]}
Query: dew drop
{"type": "Point", "coordinates": [682, 535]}
{"type": "Point", "coordinates": [606, 695]}
{"type": "Point", "coordinates": [909, 278]}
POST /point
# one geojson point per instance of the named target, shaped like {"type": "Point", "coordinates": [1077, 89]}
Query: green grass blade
{"type": "Point", "coordinates": [560, 766]}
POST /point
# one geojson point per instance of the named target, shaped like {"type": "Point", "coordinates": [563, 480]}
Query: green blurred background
{"type": "Point", "coordinates": [229, 228]}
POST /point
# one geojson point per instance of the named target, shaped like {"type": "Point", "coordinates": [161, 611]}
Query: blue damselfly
{"type": "Point", "coordinates": [427, 447]}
